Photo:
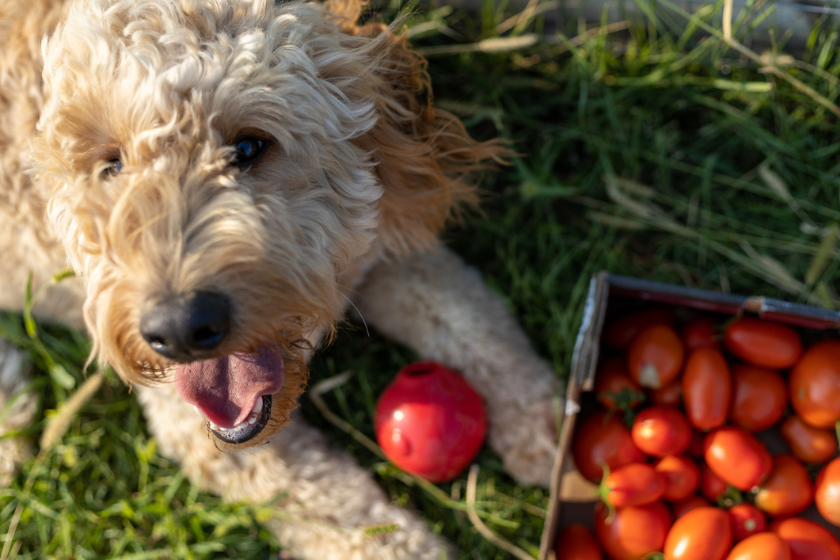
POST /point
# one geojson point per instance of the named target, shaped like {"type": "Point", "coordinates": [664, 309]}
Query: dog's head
{"type": "Point", "coordinates": [216, 168]}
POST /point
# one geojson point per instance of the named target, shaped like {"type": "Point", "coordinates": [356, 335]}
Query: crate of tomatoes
{"type": "Point", "coordinates": [698, 426]}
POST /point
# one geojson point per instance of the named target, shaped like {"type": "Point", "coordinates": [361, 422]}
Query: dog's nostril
{"type": "Point", "coordinates": [185, 328]}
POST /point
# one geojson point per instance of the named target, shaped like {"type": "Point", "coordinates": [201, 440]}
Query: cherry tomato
{"type": "Point", "coordinates": [669, 395]}
{"type": "Point", "coordinates": [700, 332]}
{"type": "Point", "coordinates": [746, 520]}
{"type": "Point", "coordinates": [430, 422]}
{"type": "Point", "coordinates": [576, 542]}
{"type": "Point", "coordinates": [682, 477]}
{"type": "Point", "coordinates": [614, 387]}
{"type": "Point", "coordinates": [635, 484]}
{"type": "Point", "coordinates": [707, 388]}
{"type": "Point", "coordinates": [788, 489]}
{"type": "Point", "coordinates": [763, 546]}
{"type": "Point", "coordinates": [661, 431]}
{"type": "Point", "coordinates": [827, 496]}
{"type": "Point", "coordinates": [621, 332]}
{"type": "Point", "coordinates": [737, 457]}
{"type": "Point", "coordinates": [602, 438]}
{"type": "Point", "coordinates": [711, 485]}
{"type": "Point", "coordinates": [809, 444]}
{"type": "Point", "coordinates": [807, 540]}
{"type": "Point", "coordinates": [695, 448]}
{"type": "Point", "coordinates": [681, 508]}
{"type": "Point", "coordinates": [634, 531]}
{"type": "Point", "coordinates": [759, 397]}
{"type": "Point", "coordinates": [815, 384]}
{"type": "Point", "coordinates": [655, 357]}
{"type": "Point", "coordinates": [703, 533]}
{"type": "Point", "coordinates": [763, 343]}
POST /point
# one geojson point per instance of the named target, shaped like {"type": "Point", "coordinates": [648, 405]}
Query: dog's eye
{"type": "Point", "coordinates": [248, 149]}
{"type": "Point", "coordinates": [113, 169]}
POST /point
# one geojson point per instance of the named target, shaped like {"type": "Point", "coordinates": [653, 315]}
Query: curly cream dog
{"type": "Point", "coordinates": [227, 177]}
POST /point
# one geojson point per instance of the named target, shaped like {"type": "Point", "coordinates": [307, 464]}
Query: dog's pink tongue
{"type": "Point", "coordinates": [225, 389]}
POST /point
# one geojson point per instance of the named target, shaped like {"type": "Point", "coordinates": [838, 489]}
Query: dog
{"type": "Point", "coordinates": [227, 178]}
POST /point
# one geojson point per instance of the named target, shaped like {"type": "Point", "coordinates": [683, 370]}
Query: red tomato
{"type": "Point", "coordinates": [669, 395]}
{"type": "Point", "coordinates": [576, 542]}
{"type": "Point", "coordinates": [707, 387]}
{"type": "Point", "coordinates": [682, 477]}
{"type": "Point", "coordinates": [711, 485]}
{"type": "Point", "coordinates": [700, 332]}
{"type": "Point", "coordinates": [763, 546]}
{"type": "Point", "coordinates": [701, 534]}
{"type": "Point", "coordinates": [737, 457]}
{"type": "Point", "coordinates": [809, 444]}
{"type": "Point", "coordinates": [681, 508]}
{"type": "Point", "coordinates": [614, 387]}
{"type": "Point", "coordinates": [759, 397]}
{"type": "Point", "coordinates": [746, 520]}
{"type": "Point", "coordinates": [815, 385]}
{"type": "Point", "coordinates": [430, 422]}
{"type": "Point", "coordinates": [762, 343]}
{"type": "Point", "coordinates": [635, 484]}
{"type": "Point", "coordinates": [621, 332]}
{"type": "Point", "coordinates": [807, 540]}
{"type": "Point", "coordinates": [695, 448]}
{"type": "Point", "coordinates": [661, 431]}
{"type": "Point", "coordinates": [788, 489]}
{"type": "Point", "coordinates": [602, 438]}
{"type": "Point", "coordinates": [655, 357]}
{"type": "Point", "coordinates": [634, 531]}
{"type": "Point", "coordinates": [827, 497]}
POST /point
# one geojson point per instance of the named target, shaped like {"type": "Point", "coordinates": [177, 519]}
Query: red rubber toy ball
{"type": "Point", "coordinates": [430, 422]}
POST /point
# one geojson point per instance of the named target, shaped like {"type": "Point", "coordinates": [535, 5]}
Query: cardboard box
{"type": "Point", "coordinates": [571, 496]}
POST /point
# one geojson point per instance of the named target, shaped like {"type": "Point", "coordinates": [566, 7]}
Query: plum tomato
{"type": "Point", "coordinates": [682, 477]}
{"type": "Point", "coordinates": [737, 457]}
{"type": "Point", "coordinates": [678, 509]}
{"type": "Point", "coordinates": [634, 531]}
{"type": "Point", "coordinates": [762, 546]}
{"type": "Point", "coordinates": [759, 397]}
{"type": "Point", "coordinates": [703, 533]}
{"type": "Point", "coordinates": [603, 439]}
{"type": "Point", "coordinates": [711, 485]}
{"type": "Point", "coordinates": [576, 542]}
{"type": "Point", "coordinates": [788, 489]}
{"type": "Point", "coordinates": [635, 484]}
{"type": "Point", "coordinates": [430, 422]}
{"type": "Point", "coordinates": [655, 357]}
{"type": "Point", "coordinates": [621, 331]}
{"type": "Point", "coordinates": [669, 395]}
{"type": "Point", "coordinates": [701, 331]}
{"type": "Point", "coordinates": [615, 389]}
{"type": "Point", "coordinates": [827, 495]}
{"type": "Point", "coordinates": [661, 431]}
{"type": "Point", "coordinates": [746, 520]}
{"type": "Point", "coordinates": [815, 385]}
{"type": "Point", "coordinates": [707, 388]}
{"type": "Point", "coordinates": [808, 444]}
{"type": "Point", "coordinates": [807, 540]}
{"type": "Point", "coordinates": [763, 343]}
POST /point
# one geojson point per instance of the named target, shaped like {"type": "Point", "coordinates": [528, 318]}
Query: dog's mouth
{"type": "Point", "coordinates": [233, 392]}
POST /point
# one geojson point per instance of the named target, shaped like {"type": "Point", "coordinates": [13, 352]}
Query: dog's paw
{"type": "Point", "coordinates": [17, 409]}
{"type": "Point", "coordinates": [527, 442]}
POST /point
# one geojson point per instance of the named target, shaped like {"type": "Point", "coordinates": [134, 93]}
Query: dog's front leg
{"type": "Point", "coordinates": [441, 308]}
{"type": "Point", "coordinates": [323, 500]}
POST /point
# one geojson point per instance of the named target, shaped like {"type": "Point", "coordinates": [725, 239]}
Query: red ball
{"type": "Point", "coordinates": [430, 422]}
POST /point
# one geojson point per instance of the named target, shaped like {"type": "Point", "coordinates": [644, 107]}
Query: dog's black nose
{"type": "Point", "coordinates": [186, 328]}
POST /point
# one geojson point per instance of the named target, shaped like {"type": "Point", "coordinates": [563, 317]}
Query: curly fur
{"type": "Point", "coordinates": [360, 171]}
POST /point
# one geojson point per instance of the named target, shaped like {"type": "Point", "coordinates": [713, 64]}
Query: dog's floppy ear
{"type": "Point", "coordinates": [425, 157]}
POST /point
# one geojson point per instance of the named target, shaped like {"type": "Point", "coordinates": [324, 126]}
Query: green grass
{"type": "Point", "coordinates": [655, 151]}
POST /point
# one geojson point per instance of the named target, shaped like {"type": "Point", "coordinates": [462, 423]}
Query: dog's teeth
{"type": "Point", "coordinates": [257, 406]}
{"type": "Point", "coordinates": [213, 427]}
{"type": "Point", "coordinates": [198, 411]}
{"type": "Point", "coordinates": [252, 419]}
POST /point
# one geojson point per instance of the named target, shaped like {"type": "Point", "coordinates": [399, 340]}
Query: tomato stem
{"type": "Point", "coordinates": [603, 491]}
